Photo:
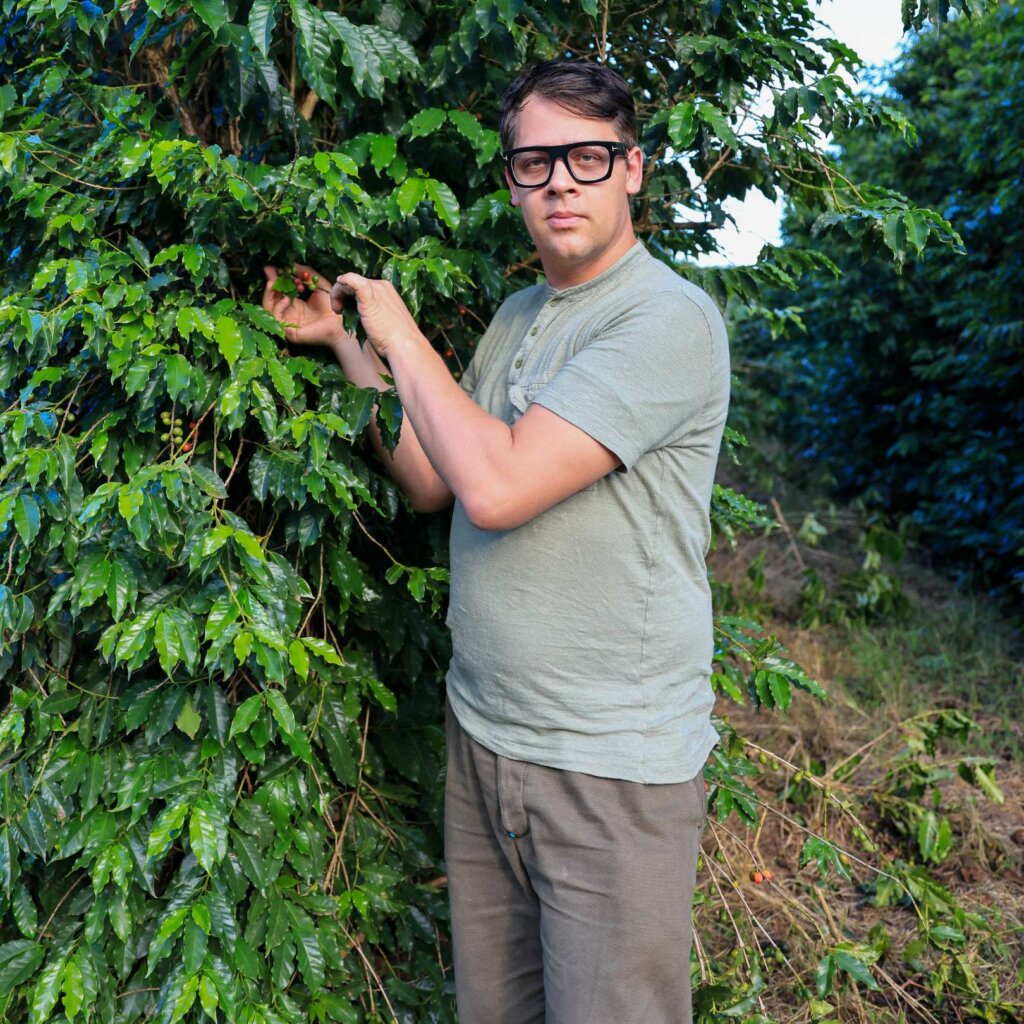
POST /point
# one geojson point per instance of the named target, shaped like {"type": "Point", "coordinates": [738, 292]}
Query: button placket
{"type": "Point", "coordinates": [528, 343]}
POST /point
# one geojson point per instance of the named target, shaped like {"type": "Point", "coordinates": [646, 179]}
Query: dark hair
{"type": "Point", "coordinates": [581, 86]}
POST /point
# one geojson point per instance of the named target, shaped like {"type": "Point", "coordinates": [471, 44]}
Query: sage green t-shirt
{"type": "Point", "coordinates": [582, 639]}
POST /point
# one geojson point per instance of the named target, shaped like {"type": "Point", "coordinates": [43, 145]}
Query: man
{"type": "Point", "coordinates": [580, 450]}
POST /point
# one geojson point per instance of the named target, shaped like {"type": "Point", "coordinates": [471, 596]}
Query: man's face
{"type": "Point", "coordinates": [579, 229]}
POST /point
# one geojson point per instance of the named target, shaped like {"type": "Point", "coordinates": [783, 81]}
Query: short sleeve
{"type": "Point", "coordinates": [470, 375]}
{"type": "Point", "coordinates": [643, 381]}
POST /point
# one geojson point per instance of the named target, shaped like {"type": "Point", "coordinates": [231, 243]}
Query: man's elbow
{"type": "Point", "coordinates": [430, 499]}
{"type": "Point", "coordinates": [493, 512]}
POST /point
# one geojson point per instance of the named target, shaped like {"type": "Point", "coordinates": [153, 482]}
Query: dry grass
{"type": "Point", "coordinates": [949, 652]}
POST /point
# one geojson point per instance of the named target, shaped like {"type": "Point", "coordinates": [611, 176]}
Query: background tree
{"type": "Point", "coordinates": [906, 385]}
{"type": "Point", "coordinates": [220, 747]}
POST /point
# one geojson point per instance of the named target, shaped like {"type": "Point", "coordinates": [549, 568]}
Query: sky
{"type": "Point", "coordinates": [873, 28]}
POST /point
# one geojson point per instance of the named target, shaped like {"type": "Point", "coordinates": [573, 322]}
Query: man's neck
{"type": "Point", "coordinates": [562, 277]}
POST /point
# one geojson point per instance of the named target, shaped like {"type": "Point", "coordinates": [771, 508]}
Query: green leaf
{"type": "Point", "coordinates": [242, 645]}
{"type": "Point", "coordinates": [281, 711]}
{"type": "Point", "coordinates": [73, 990]}
{"type": "Point", "coordinates": [24, 912]}
{"type": "Point", "coordinates": [213, 13]}
{"type": "Point", "coordinates": [334, 735]}
{"type": "Point", "coordinates": [208, 998]}
{"type": "Point", "coordinates": [19, 960]}
{"type": "Point", "coordinates": [468, 126]}
{"type": "Point", "coordinates": [177, 375]}
{"type": "Point", "coordinates": [187, 996]}
{"type": "Point", "coordinates": [261, 24]}
{"type": "Point", "coordinates": [310, 955]}
{"type": "Point", "coordinates": [855, 968]}
{"type": "Point", "coordinates": [927, 830]}
{"type": "Point", "coordinates": [229, 339]}
{"type": "Point", "coordinates": [208, 481]}
{"type": "Point", "coordinates": [245, 715]}
{"type": "Point", "coordinates": [410, 194]}
{"type": "Point", "coordinates": [222, 614]}
{"type": "Point", "coordinates": [383, 149]}
{"type": "Point", "coordinates": [45, 993]}
{"type": "Point", "coordinates": [167, 641]}
{"type": "Point", "coordinates": [322, 649]}
{"type": "Point", "coordinates": [426, 122]}
{"type": "Point", "coordinates": [122, 588]}
{"type": "Point", "coordinates": [26, 517]}
{"type": "Point", "coordinates": [943, 841]}
{"type": "Point", "coordinates": [92, 577]}
{"type": "Point", "coordinates": [216, 539]}
{"type": "Point", "coordinates": [987, 784]}
{"type": "Point", "coordinates": [917, 229]}
{"type": "Point", "coordinates": [825, 975]}
{"type": "Point", "coordinates": [283, 381]}
{"type": "Point", "coordinates": [384, 696]}
{"type": "Point", "coordinates": [193, 947]}
{"type": "Point", "coordinates": [314, 48]}
{"type": "Point", "coordinates": [682, 125]}
{"type": "Point", "coordinates": [188, 721]}
{"type": "Point", "coordinates": [719, 124]}
{"type": "Point", "coordinates": [222, 920]}
{"type": "Point", "coordinates": [780, 689]}
{"type": "Point", "coordinates": [299, 658]}
{"type": "Point", "coordinates": [166, 829]}
{"type": "Point", "coordinates": [207, 834]}
{"type": "Point", "coordinates": [129, 502]}
{"type": "Point", "coordinates": [446, 206]}
{"type": "Point", "coordinates": [895, 234]}
{"type": "Point", "coordinates": [250, 545]}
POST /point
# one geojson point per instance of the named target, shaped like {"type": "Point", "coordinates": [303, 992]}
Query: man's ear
{"type": "Point", "coordinates": [513, 191]}
{"type": "Point", "coordinates": [634, 170]}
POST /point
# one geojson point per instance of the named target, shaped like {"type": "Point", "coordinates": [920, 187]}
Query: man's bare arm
{"type": "Point", "coordinates": [502, 475]}
{"type": "Point", "coordinates": [312, 321]}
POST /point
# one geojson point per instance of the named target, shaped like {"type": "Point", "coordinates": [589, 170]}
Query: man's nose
{"type": "Point", "coordinates": [561, 180]}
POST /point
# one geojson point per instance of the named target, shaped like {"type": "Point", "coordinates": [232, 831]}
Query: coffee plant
{"type": "Point", "coordinates": [221, 642]}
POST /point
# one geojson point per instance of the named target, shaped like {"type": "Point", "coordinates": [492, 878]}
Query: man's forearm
{"type": "Point", "coordinates": [408, 464]}
{"type": "Point", "coordinates": [467, 446]}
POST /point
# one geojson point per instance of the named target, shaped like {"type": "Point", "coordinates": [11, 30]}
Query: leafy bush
{"type": "Point", "coordinates": [221, 651]}
{"type": "Point", "coordinates": [907, 385]}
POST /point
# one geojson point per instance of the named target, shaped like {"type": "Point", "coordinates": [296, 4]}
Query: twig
{"type": "Point", "coordinates": [781, 519]}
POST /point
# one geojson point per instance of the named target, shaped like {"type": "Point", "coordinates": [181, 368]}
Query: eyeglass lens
{"type": "Point", "coordinates": [586, 163]}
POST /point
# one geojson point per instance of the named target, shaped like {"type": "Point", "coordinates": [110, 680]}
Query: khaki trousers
{"type": "Point", "coordinates": [570, 894]}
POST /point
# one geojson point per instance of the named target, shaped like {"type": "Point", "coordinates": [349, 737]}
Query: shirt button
{"type": "Point", "coordinates": [533, 330]}
{"type": "Point", "coordinates": [519, 363]}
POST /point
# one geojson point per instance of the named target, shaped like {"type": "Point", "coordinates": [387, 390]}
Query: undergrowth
{"type": "Point", "coordinates": [890, 818]}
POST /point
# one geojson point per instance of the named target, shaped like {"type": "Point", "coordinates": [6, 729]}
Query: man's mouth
{"type": "Point", "coordinates": [563, 219]}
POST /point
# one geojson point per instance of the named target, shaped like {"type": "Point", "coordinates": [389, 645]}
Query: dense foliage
{"type": "Point", "coordinates": [220, 752]}
{"type": "Point", "coordinates": [908, 385]}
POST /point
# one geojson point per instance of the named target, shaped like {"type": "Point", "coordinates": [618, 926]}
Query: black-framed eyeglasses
{"type": "Point", "coordinates": [587, 162]}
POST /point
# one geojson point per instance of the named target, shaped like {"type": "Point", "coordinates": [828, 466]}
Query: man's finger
{"type": "Point", "coordinates": [353, 284]}
{"type": "Point", "coordinates": [268, 292]}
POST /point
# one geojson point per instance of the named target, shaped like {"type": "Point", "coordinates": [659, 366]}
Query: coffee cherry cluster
{"type": "Point", "coordinates": [175, 432]}
{"type": "Point", "coordinates": [292, 281]}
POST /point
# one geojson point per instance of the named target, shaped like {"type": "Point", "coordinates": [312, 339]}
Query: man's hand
{"type": "Point", "coordinates": [309, 320]}
{"type": "Point", "coordinates": [385, 318]}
